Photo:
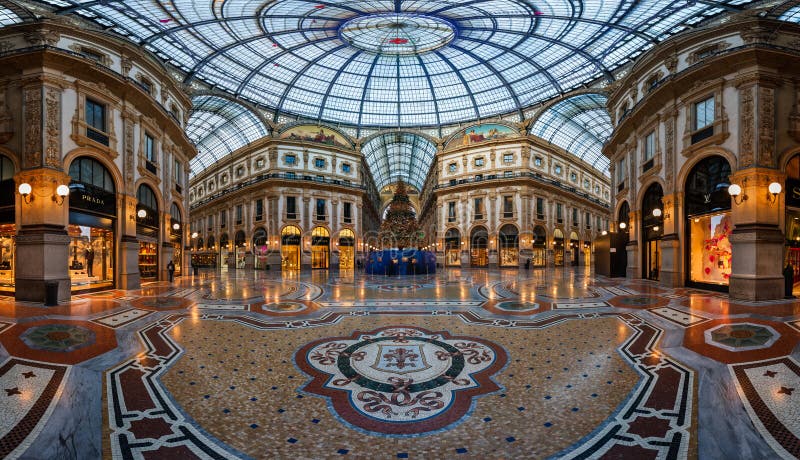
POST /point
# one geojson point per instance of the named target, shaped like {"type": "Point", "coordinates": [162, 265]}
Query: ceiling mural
{"type": "Point", "coordinates": [316, 134]}
{"type": "Point", "coordinates": [478, 134]}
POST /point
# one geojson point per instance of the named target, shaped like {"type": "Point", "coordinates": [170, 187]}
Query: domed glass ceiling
{"type": "Point", "coordinates": [397, 63]}
{"type": "Point", "coordinates": [399, 156]}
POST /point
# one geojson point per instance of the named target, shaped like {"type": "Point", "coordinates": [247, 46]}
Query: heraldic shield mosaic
{"type": "Point", "coordinates": [401, 381]}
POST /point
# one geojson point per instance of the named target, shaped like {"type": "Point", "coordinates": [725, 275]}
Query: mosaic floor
{"type": "Point", "coordinates": [466, 363]}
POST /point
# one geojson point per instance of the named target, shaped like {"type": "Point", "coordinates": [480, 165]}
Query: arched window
{"type": "Point", "coordinates": [147, 198]}
{"type": "Point", "coordinates": [89, 171]}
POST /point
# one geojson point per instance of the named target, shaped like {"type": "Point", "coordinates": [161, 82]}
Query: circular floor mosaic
{"type": "Point", "coordinates": [389, 380]}
{"type": "Point", "coordinates": [284, 307]}
{"type": "Point", "coordinates": [58, 337]}
{"type": "Point", "coordinates": [517, 306]}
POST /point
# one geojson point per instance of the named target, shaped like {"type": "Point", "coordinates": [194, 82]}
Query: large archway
{"type": "Point", "coordinates": [452, 247]}
{"type": "Point", "coordinates": [7, 225]}
{"type": "Point", "coordinates": [347, 245]}
{"type": "Point", "coordinates": [508, 239]}
{"type": "Point", "coordinates": [260, 248]}
{"type": "Point", "coordinates": [92, 224]}
{"type": "Point", "coordinates": [290, 248]}
{"type": "Point", "coordinates": [176, 237]}
{"type": "Point", "coordinates": [539, 247]}
{"type": "Point", "coordinates": [479, 247]}
{"type": "Point", "coordinates": [558, 248]}
{"type": "Point", "coordinates": [708, 225]}
{"type": "Point", "coordinates": [320, 248]}
{"type": "Point", "coordinates": [147, 230]}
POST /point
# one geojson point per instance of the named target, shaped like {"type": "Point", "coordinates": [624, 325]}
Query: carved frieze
{"type": "Point", "coordinates": [746, 122]}
{"type": "Point", "coordinates": [707, 51]}
{"type": "Point", "coordinates": [129, 156]}
{"type": "Point", "coordinates": [52, 156]}
{"type": "Point", "coordinates": [42, 37]}
{"type": "Point", "coordinates": [33, 127]}
{"type": "Point", "coordinates": [766, 126]}
{"type": "Point", "coordinates": [669, 148]}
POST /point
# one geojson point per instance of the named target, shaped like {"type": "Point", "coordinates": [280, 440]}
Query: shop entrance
{"type": "Point", "coordinates": [558, 248]}
{"type": "Point", "coordinates": [792, 222]}
{"type": "Point", "coordinates": [347, 245]}
{"type": "Point", "coordinates": [539, 254]}
{"type": "Point", "coordinates": [290, 248]}
{"type": "Point", "coordinates": [652, 231]}
{"type": "Point", "coordinates": [479, 247]}
{"type": "Point", "coordinates": [452, 248]}
{"type": "Point", "coordinates": [147, 231]}
{"type": "Point", "coordinates": [7, 225]}
{"type": "Point", "coordinates": [260, 249]}
{"type": "Point", "coordinates": [574, 248]}
{"type": "Point", "coordinates": [320, 247]}
{"type": "Point", "coordinates": [509, 246]}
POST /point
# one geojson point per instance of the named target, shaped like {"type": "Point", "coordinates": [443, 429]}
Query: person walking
{"type": "Point", "coordinates": [171, 270]}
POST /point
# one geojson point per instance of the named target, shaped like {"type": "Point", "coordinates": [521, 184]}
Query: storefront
{"type": "Point", "coordinates": [224, 250]}
{"type": "Point", "coordinates": [792, 222]}
{"type": "Point", "coordinates": [260, 249]}
{"type": "Point", "coordinates": [290, 248]}
{"type": "Point", "coordinates": [452, 248]}
{"type": "Point", "coordinates": [574, 248]}
{"type": "Point", "coordinates": [320, 247]}
{"type": "Point", "coordinates": [7, 226]}
{"type": "Point", "coordinates": [176, 238]}
{"type": "Point", "coordinates": [147, 229]}
{"type": "Point", "coordinates": [558, 248]}
{"type": "Point", "coordinates": [539, 250]}
{"type": "Point", "coordinates": [479, 247]}
{"type": "Point", "coordinates": [708, 224]}
{"type": "Point", "coordinates": [509, 246]}
{"type": "Point", "coordinates": [652, 231]}
{"type": "Point", "coordinates": [92, 220]}
{"type": "Point", "coordinates": [240, 249]}
{"type": "Point", "coordinates": [347, 246]}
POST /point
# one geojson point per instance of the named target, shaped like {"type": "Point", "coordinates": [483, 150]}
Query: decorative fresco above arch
{"type": "Point", "coordinates": [477, 134]}
{"type": "Point", "coordinates": [317, 134]}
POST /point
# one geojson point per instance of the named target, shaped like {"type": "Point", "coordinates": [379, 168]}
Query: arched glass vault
{"type": "Point", "coordinates": [219, 126]}
{"type": "Point", "coordinates": [580, 125]}
{"type": "Point", "coordinates": [396, 156]}
{"type": "Point", "coordinates": [397, 63]}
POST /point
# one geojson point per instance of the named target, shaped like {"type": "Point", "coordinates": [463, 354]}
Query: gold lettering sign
{"type": "Point", "coordinates": [92, 199]}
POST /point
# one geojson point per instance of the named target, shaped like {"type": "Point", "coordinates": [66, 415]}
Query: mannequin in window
{"type": "Point", "coordinates": [89, 257]}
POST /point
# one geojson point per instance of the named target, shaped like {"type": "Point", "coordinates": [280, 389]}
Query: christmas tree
{"type": "Point", "coordinates": [399, 229]}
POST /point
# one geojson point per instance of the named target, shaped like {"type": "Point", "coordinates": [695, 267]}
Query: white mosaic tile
{"type": "Point", "coordinates": [578, 305]}
{"type": "Point", "coordinates": [678, 317]}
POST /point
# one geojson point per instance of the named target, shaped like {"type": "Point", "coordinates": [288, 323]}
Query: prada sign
{"type": "Point", "coordinates": [92, 199]}
{"type": "Point", "coordinates": [793, 192]}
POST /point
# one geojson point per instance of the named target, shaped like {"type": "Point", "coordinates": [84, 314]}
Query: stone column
{"type": "Point", "coordinates": [756, 241]}
{"type": "Point", "coordinates": [634, 262]}
{"type": "Point", "coordinates": [128, 250]}
{"type": "Point", "coordinates": [671, 258]}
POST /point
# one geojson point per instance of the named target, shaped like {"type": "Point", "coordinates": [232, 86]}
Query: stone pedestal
{"type": "Point", "coordinates": [757, 262]}
{"type": "Point", "coordinates": [42, 252]}
{"type": "Point", "coordinates": [128, 263]}
{"type": "Point", "coordinates": [671, 273]}
{"type": "Point", "coordinates": [633, 270]}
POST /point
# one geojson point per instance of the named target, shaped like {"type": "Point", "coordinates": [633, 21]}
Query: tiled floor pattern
{"type": "Point", "coordinates": [225, 348]}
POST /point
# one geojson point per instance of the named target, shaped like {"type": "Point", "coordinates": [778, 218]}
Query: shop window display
{"type": "Point", "coordinates": [711, 248]}
{"type": "Point", "coordinates": [91, 257]}
{"type": "Point", "coordinates": [7, 257]}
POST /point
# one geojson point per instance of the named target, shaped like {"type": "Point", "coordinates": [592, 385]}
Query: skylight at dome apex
{"type": "Point", "coordinates": [397, 63]}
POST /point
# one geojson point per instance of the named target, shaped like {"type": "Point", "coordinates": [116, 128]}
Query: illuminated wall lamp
{"type": "Point", "coordinates": [176, 226]}
{"type": "Point", "coordinates": [141, 213]}
{"type": "Point", "coordinates": [623, 225]}
{"type": "Point", "coordinates": [604, 233]}
{"type": "Point", "coordinates": [735, 190]}
{"type": "Point", "coordinates": [61, 192]}
{"type": "Point", "coordinates": [25, 190]}
{"type": "Point", "coordinates": [774, 189]}
{"type": "Point", "coordinates": [658, 213]}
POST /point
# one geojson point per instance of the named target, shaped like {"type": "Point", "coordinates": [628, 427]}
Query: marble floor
{"type": "Point", "coordinates": [549, 363]}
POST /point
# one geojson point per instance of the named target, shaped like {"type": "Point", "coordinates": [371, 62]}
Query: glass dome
{"type": "Point", "coordinates": [392, 157]}
{"type": "Point", "coordinates": [396, 63]}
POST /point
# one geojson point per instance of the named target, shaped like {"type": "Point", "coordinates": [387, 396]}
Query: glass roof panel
{"type": "Point", "coordinates": [791, 15]}
{"type": "Point", "coordinates": [512, 54]}
{"type": "Point", "coordinates": [399, 156]}
{"type": "Point", "coordinates": [580, 125]}
{"type": "Point", "coordinates": [219, 126]}
{"type": "Point", "coordinates": [8, 17]}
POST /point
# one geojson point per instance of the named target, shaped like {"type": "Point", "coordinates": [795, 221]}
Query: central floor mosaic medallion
{"type": "Point", "coordinates": [401, 381]}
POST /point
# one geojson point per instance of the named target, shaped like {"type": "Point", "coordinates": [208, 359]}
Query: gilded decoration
{"type": "Point", "coordinates": [33, 127]}
{"type": "Point", "coordinates": [129, 161]}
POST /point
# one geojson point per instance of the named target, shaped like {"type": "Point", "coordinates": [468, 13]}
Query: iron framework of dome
{"type": "Point", "coordinates": [396, 63]}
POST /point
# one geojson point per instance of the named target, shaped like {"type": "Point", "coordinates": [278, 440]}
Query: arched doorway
{"type": "Point", "coordinates": [558, 248]}
{"type": "Point", "coordinates": [290, 248]}
{"type": "Point", "coordinates": [452, 247]}
{"type": "Point", "coordinates": [200, 243]}
{"type": "Point", "coordinates": [708, 224]}
{"type": "Point", "coordinates": [92, 220]}
{"type": "Point", "coordinates": [224, 250]}
{"type": "Point", "coordinates": [347, 253]}
{"type": "Point", "coordinates": [509, 246]}
{"type": "Point", "coordinates": [479, 247]}
{"type": "Point", "coordinates": [574, 248]}
{"type": "Point", "coordinates": [239, 248]}
{"type": "Point", "coordinates": [539, 253]}
{"type": "Point", "coordinates": [7, 225]}
{"type": "Point", "coordinates": [652, 231]}
{"type": "Point", "coordinates": [209, 245]}
{"type": "Point", "coordinates": [147, 230]}
{"type": "Point", "coordinates": [176, 237]}
{"type": "Point", "coordinates": [260, 248]}
{"type": "Point", "coordinates": [320, 247]}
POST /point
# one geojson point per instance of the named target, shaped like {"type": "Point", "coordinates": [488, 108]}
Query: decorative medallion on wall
{"type": "Point", "coordinates": [401, 380]}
